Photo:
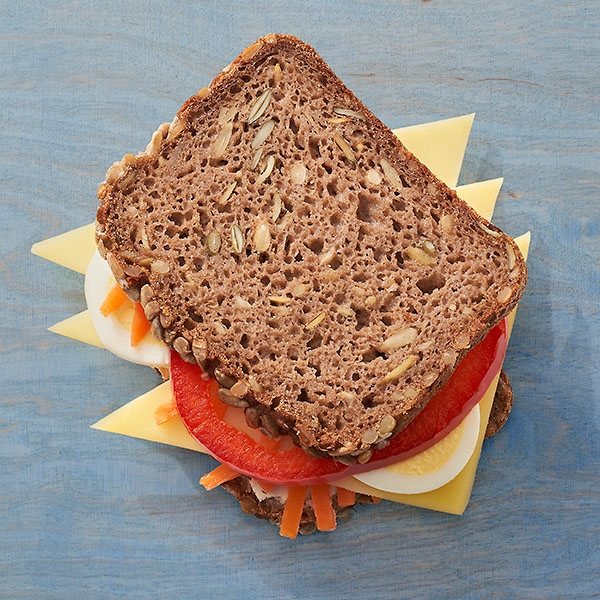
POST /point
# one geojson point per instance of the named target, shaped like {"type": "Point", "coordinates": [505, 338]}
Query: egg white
{"type": "Point", "coordinates": [432, 468]}
{"type": "Point", "coordinates": [111, 330]}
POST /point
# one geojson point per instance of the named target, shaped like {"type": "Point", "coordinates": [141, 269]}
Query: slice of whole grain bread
{"type": "Point", "coordinates": [279, 235]}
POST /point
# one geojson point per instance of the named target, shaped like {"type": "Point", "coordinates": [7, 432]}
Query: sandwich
{"type": "Point", "coordinates": [322, 306]}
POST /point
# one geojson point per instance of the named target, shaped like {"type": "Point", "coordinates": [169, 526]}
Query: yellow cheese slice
{"type": "Point", "coordinates": [72, 249]}
{"type": "Point", "coordinates": [440, 145]}
{"type": "Point", "coordinates": [136, 419]}
{"type": "Point", "coordinates": [78, 327]}
{"type": "Point", "coordinates": [481, 196]}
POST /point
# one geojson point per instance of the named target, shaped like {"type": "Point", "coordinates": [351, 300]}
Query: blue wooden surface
{"type": "Point", "coordinates": [84, 514]}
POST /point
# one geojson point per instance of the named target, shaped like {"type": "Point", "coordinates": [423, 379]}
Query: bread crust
{"type": "Point", "coordinates": [501, 407]}
{"type": "Point", "coordinates": [382, 326]}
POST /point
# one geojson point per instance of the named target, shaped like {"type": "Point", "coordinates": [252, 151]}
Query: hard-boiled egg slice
{"type": "Point", "coordinates": [114, 330]}
{"type": "Point", "coordinates": [432, 468]}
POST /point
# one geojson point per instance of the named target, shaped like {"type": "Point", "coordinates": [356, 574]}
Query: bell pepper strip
{"type": "Point", "coordinates": [345, 497]}
{"type": "Point", "coordinates": [194, 395]}
{"type": "Point", "coordinates": [216, 477]}
{"type": "Point", "coordinates": [292, 512]}
{"type": "Point", "coordinates": [324, 512]}
{"type": "Point", "coordinates": [113, 301]}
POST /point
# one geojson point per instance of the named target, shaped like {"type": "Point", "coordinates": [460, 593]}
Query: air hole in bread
{"type": "Point", "coordinates": [455, 258]}
{"type": "Point", "coordinates": [362, 317]}
{"type": "Point", "coordinates": [313, 147]}
{"type": "Point", "coordinates": [303, 396]}
{"type": "Point", "coordinates": [293, 126]}
{"type": "Point", "coordinates": [336, 263]}
{"type": "Point", "coordinates": [316, 245]}
{"type": "Point", "coordinates": [431, 282]}
{"type": "Point", "coordinates": [371, 355]}
{"type": "Point", "coordinates": [379, 254]}
{"type": "Point", "coordinates": [363, 212]}
{"type": "Point", "coordinates": [335, 219]}
{"type": "Point", "coordinates": [316, 368]}
{"type": "Point", "coordinates": [368, 401]}
{"type": "Point", "coordinates": [315, 341]}
{"type": "Point", "coordinates": [398, 205]}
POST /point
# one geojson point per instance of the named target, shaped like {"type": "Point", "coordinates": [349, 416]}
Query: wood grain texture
{"type": "Point", "coordinates": [88, 514]}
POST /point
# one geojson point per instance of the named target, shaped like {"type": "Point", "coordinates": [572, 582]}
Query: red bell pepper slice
{"type": "Point", "coordinates": [195, 397]}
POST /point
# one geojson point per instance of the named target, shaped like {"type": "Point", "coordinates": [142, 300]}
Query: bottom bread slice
{"type": "Point", "coordinates": [503, 403]}
{"type": "Point", "coordinates": [271, 508]}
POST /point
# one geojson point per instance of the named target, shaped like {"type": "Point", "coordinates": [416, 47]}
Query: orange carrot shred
{"type": "Point", "coordinates": [140, 326]}
{"type": "Point", "coordinates": [292, 512]}
{"type": "Point", "coordinates": [324, 512]}
{"type": "Point", "coordinates": [375, 499]}
{"type": "Point", "coordinates": [345, 497]}
{"type": "Point", "coordinates": [267, 486]}
{"type": "Point", "coordinates": [165, 411]}
{"type": "Point", "coordinates": [216, 477]}
{"type": "Point", "coordinates": [114, 299]}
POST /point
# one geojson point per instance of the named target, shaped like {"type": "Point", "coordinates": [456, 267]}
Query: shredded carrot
{"type": "Point", "coordinates": [216, 477]}
{"type": "Point", "coordinates": [114, 299]}
{"type": "Point", "coordinates": [345, 497]}
{"type": "Point", "coordinates": [266, 486]}
{"type": "Point", "coordinates": [324, 512]}
{"type": "Point", "coordinates": [292, 512]}
{"type": "Point", "coordinates": [165, 411]}
{"type": "Point", "coordinates": [375, 499]}
{"type": "Point", "coordinates": [140, 326]}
